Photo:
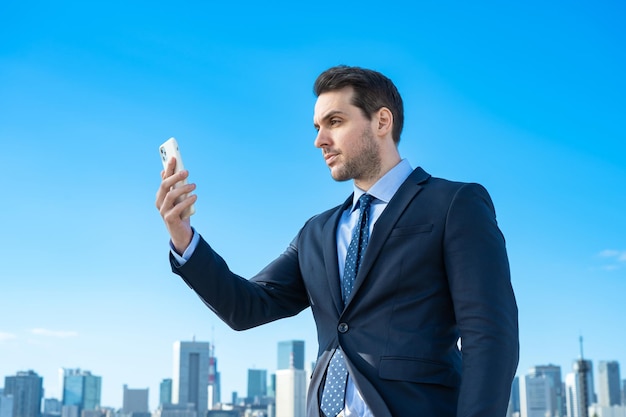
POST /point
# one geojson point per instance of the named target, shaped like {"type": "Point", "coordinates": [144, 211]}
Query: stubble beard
{"type": "Point", "coordinates": [365, 164]}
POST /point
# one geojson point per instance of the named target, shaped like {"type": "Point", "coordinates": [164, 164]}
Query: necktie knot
{"type": "Point", "coordinates": [358, 243]}
{"type": "Point", "coordinates": [364, 202]}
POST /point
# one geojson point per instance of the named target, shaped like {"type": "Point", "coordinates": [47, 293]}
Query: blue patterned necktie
{"type": "Point", "coordinates": [333, 396]}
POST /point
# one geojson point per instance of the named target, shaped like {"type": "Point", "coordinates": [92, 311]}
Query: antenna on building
{"type": "Point", "coordinates": [581, 346]}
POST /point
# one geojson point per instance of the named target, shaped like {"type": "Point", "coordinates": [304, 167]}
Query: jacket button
{"type": "Point", "coordinates": [343, 327]}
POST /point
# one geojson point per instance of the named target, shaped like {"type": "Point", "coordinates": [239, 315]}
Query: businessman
{"type": "Point", "coordinates": [408, 279]}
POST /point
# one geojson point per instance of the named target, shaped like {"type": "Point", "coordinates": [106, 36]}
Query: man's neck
{"type": "Point", "coordinates": [386, 166]}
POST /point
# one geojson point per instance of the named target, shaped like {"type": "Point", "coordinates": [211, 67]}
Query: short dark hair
{"type": "Point", "coordinates": [372, 90]}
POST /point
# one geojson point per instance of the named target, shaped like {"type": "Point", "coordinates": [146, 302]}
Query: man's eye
{"type": "Point", "coordinates": [334, 122]}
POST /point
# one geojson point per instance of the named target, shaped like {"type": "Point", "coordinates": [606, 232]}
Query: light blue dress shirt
{"type": "Point", "coordinates": [383, 190]}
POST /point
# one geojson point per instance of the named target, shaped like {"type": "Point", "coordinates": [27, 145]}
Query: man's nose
{"type": "Point", "coordinates": [322, 139]}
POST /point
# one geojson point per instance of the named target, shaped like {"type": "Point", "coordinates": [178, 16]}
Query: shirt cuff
{"type": "Point", "coordinates": [195, 238]}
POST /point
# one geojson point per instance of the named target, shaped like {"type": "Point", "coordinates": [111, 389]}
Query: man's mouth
{"type": "Point", "coordinates": [330, 157]}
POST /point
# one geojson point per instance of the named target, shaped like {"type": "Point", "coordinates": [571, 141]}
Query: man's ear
{"type": "Point", "coordinates": [385, 121]}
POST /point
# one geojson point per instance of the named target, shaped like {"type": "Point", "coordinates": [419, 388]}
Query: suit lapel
{"type": "Point", "coordinates": [330, 254]}
{"type": "Point", "coordinates": [386, 222]}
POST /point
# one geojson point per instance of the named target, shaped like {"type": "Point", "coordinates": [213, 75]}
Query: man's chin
{"type": "Point", "coordinates": [339, 176]}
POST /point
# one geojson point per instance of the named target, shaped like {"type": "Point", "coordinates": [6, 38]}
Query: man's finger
{"type": "Point", "coordinates": [171, 166]}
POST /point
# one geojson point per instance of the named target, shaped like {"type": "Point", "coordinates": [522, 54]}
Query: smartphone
{"type": "Point", "coordinates": [168, 150]}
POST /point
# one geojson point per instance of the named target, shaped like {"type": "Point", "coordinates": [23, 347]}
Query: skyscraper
{"type": "Point", "coordinates": [572, 396]}
{"type": "Point", "coordinates": [190, 384]}
{"type": "Point", "coordinates": [556, 395]}
{"type": "Point", "coordinates": [271, 387]}
{"type": "Point", "coordinates": [176, 410]}
{"type": "Point", "coordinates": [215, 393]}
{"type": "Point", "coordinates": [26, 388]}
{"type": "Point", "coordinates": [580, 393]}
{"type": "Point", "coordinates": [257, 384]}
{"type": "Point", "coordinates": [165, 391]}
{"type": "Point", "coordinates": [291, 381]}
{"type": "Point", "coordinates": [579, 389]}
{"type": "Point", "coordinates": [135, 400]}
{"type": "Point", "coordinates": [81, 390]}
{"type": "Point", "coordinates": [291, 393]}
{"type": "Point", "coordinates": [51, 407]}
{"type": "Point", "coordinates": [6, 404]}
{"type": "Point", "coordinates": [536, 396]}
{"type": "Point", "coordinates": [609, 383]}
{"type": "Point", "coordinates": [515, 401]}
{"type": "Point", "coordinates": [291, 354]}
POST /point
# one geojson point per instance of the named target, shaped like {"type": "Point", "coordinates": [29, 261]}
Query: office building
{"type": "Point", "coordinates": [26, 388]}
{"type": "Point", "coordinates": [291, 381]}
{"type": "Point", "coordinates": [579, 389]}
{"type": "Point", "coordinates": [135, 400]}
{"type": "Point", "coordinates": [291, 354]}
{"type": "Point", "coordinates": [257, 384]}
{"type": "Point", "coordinates": [177, 410]}
{"type": "Point", "coordinates": [597, 410]}
{"type": "Point", "coordinates": [291, 393]}
{"type": "Point", "coordinates": [99, 413]}
{"type": "Point", "coordinates": [572, 397]}
{"type": "Point", "coordinates": [81, 391]}
{"type": "Point", "coordinates": [536, 399]}
{"type": "Point", "coordinates": [555, 401]}
{"type": "Point", "coordinates": [6, 404]}
{"type": "Point", "coordinates": [190, 382]}
{"type": "Point", "coordinates": [70, 411]}
{"type": "Point", "coordinates": [215, 393]}
{"type": "Point", "coordinates": [51, 407]}
{"type": "Point", "coordinates": [165, 391]}
{"type": "Point", "coordinates": [515, 400]}
{"type": "Point", "coordinates": [609, 390]}
{"type": "Point", "coordinates": [271, 388]}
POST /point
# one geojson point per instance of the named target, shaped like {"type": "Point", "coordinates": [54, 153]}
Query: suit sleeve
{"type": "Point", "coordinates": [484, 304]}
{"type": "Point", "coordinates": [275, 292]}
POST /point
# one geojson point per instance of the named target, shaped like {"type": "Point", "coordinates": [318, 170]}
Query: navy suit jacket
{"type": "Point", "coordinates": [435, 269]}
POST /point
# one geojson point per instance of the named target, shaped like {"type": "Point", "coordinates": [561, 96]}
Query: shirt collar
{"type": "Point", "coordinates": [387, 185]}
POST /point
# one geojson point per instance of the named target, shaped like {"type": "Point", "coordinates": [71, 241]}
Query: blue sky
{"type": "Point", "coordinates": [528, 99]}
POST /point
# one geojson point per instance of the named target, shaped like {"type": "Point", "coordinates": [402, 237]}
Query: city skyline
{"type": "Point", "coordinates": [527, 99]}
{"type": "Point", "coordinates": [185, 348]}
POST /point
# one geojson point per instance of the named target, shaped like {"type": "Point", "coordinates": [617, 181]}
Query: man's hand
{"type": "Point", "coordinates": [178, 227]}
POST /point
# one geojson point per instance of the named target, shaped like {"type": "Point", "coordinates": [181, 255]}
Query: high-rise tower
{"type": "Point", "coordinates": [579, 387]}
{"type": "Point", "coordinates": [26, 388]}
{"type": "Point", "coordinates": [6, 404]}
{"type": "Point", "coordinates": [548, 376]}
{"type": "Point", "coordinates": [165, 391]}
{"type": "Point", "coordinates": [609, 383]}
{"type": "Point", "coordinates": [540, 392]}
{"type": "Point", "coordinates": [291, 381]}
{"type": "Point", "coordinates": [291, 354]}
{"type": "Point", "coordinates": [135, 400]}
{"type": "Point", "coordinates": [215, 395]}
{"type": "Point", "coordinates": [257, 384]}
{"type": "Point", "coordinates": [81, 390]}
{"type": "Point", "coordinates": [190, 382]}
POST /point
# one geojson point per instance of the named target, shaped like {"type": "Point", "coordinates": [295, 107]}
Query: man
{"type": "Point", "coordinates": [427, 266]}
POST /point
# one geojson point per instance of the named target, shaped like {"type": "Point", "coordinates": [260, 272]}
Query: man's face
{"type": "Point", "coordinates": [346, 138]}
